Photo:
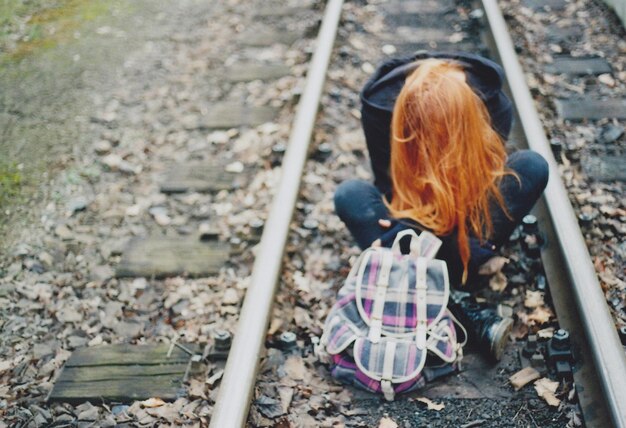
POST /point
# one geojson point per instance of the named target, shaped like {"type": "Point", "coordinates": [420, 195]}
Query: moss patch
{"type": "Point", "coordinates": [30, 25]}
{"type": "Point", "coordinates": [11, 181]}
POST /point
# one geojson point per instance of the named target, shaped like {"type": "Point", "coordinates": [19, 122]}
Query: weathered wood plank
{"type": "Point", "coordinates": [248, 71]}
{"type": "Point", "coordinates": [162, 257]}
{"type": "Point", "coordinates": [606, 168]}
{"type": "Point", "coordinates": [116, 373]}
{"type": "Point", "coordinates": [120, 355]}
{"type": "Point", "coordinates": [199, 177]}
{"type": "Point", "coordinates": [579, 66]}
{"type": "Point", "coordinates": [409, 48]}
{"type": "Point", "coordinates": [418, 6]}
{"type": "Point", "coordinates": [279, 11]}
{"type": "Point", "coordinates": [577, 109]}
{"type": "Point", "coordinates": [166, 387]}
{"type": "Point", "coordinates": [268, 37]}
{"type": "Point", "coordinates": [411, 34]}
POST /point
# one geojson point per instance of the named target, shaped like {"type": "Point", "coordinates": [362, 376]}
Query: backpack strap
{"type": "Point", "coordinates": [382, 282]}
{"type": "Point", "coordinates": [421, 287]}
{"type": "Point", "coordinates": [388, 360]}
{"type": "Point", "coordinates": [425, 245]}
{"type": "Point", "coordinates": [428, 245]}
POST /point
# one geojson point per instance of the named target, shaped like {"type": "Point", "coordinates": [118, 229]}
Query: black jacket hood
{"type": "Point", "coordinates": [378, 96]}
{"type": "Point", "coordinates": [484, 76]}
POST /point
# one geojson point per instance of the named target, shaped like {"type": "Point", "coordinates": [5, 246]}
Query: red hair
{"type": "Point", "coordinates": [446, 159]}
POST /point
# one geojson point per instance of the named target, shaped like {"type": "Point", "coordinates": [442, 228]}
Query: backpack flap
{"type": "Point", "coordinates": [400, 296]}
{"type": "Point", "coordinates": [389, 361]}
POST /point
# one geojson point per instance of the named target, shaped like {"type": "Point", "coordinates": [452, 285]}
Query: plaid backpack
{"type": "Point", "coordinates": [390, 331]}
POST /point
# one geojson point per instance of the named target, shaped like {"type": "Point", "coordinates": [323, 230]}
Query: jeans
{"type": "Point", "coordinates": [359, 205]}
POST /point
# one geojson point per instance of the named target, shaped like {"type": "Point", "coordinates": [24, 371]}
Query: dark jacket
{"type": "Point", "coordinates": [378, 98]}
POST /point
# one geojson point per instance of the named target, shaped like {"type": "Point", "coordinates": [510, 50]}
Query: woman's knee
{"type": "Point", "coordinates": [532, 169]}
{"type": "Point", "coordinates": [353, 197]}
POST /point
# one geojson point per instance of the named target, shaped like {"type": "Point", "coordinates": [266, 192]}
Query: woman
{"type": "Point", "coordinates": [434, 126]}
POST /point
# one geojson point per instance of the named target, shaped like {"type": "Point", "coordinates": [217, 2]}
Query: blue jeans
{"type": "Point", "coordinates": [359, 205]}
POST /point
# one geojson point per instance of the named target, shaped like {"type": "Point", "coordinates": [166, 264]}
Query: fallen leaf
{"type": "Point", "coordinates": [498, 282]}
{"type": "Point", "coordinates": [151, 403]}
{"type": "Point", "coordinates": [387, 423]}
{"type": "Point", "coordinates": [493, 265]}
{"type": "Point", "coordinates": [545, 333]}
{"type": "Point", "coordinates": [607, 79]}
{"type": "Point", "coordinates": [4, 366]}
{"type": "Point", "coordinates": [301, 317]}
{"type": "Point", "coordinates": [431, 404]}
{"type": "Point", "coordinates": [573, 419]}
{"type": "Point", "coordinates": [533, 299]}
{"type": "Point", "coordinates": [545, 389]}
{"type": "Point", "coordinates": [196, 389]}
{"type": "Point", "coordinates": [540, 315]}
{"type": "Point", "coordinates": [275, 325]}
{"type": "Point", "coordinates": [524, 377]}
{"type": "Point", "coordinates": [269, 407]}
{"type": "Point", "coordinates": [294, 367]}
{"type": "Point", "coordinates": [286, 395]}
{"type": "Point", "coordinates": [519, 331]}
{"type": "Point", "coordinates": [302, 283]}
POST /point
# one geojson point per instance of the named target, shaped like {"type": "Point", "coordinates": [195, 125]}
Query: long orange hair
{"type": "Point", "coordinates": [446, 159]}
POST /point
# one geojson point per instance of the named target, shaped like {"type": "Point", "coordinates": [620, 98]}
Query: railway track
{"type": "Point", "coordinates": [578, 299]}
{"type": "Point", "coordinates": [304, 251]}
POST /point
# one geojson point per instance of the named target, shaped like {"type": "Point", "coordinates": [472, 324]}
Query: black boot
{"type": "Point", "coordinates": [488, 330]}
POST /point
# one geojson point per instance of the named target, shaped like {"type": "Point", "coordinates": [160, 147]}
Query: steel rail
{"type": "Point", "coordinates": [607, 351]}
{"type": "Point", "coordinates": [235, 394]}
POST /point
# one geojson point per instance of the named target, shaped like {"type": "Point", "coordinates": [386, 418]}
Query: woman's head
{"type": "Point", "coordinates": [446, 159]}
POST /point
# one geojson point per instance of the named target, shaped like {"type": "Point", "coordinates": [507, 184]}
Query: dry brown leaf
{"type": "Point", "coordinates": [519, 331]}
{"type": "Point", "coordinates": [151, 403]}
{"type": "Point", "coordinates": [302, 283]}
{"type": "Point", "coordinates": [275, 325]}
{"type": "Point", "coordinates": [524, 377]}
{"type": "Point", "coordinates": [294, 367]}
{"type": "Point", "coordinates": [4, 366]}
{"type": "Point", "coordinates": [498, 282]}
{"type": "Point", "coordinates": [607, 79]}
{"type": "Point", "coordinates": [533, 299]}
{"type": "Point", "coordinates": [431, 404]}
{"type": "Point", "coordinates": [545, 389]}
{"type": "Point", "coordinates": [286, 395]}
{"type": "Point", "coordinates": [387, 423]}
{"type": "Point", "coordinates": [196, 389]}
{"type": "Point", "coordinates": [540, 315]}
{"type": "Point", "coordinates": [545, 333]}
{"type": "Point", "coordinates": [493, 265]}
{"type": "Point", "coordinates": [301, 317]}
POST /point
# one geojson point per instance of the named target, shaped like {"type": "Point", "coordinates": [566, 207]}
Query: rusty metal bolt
{"type": "Point", "coordinates": [542, 283]}
{"type": "Point", "coordinates": [278, 150]}
{"type": "Point", "coordinates": [585, 219]}
{"type": "Point", "coordinates": [557, 146]}
{"type": "Point", "coordinates": [531, 346]}
{"type": "Point", "coordinates": [288, 341]}
{"type": "Point", "coordinates": [223, 339]}
{"type": "Point", "coordinates": [560, 339]}
{"type": "Point", "coordinates": [256, 226]}
{"type": "Point", "coordinates": [324, 150]}
{"type": "Point", "coordinates": [529, 224]}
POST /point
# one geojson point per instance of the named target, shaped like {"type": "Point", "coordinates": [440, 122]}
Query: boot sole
{"type": "Point", "coordinates": [501, 338]}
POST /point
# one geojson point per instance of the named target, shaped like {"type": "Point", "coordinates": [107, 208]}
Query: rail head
{"type": "Point", "coordinates": [235, 394]}
{"type": "Point", "coordinates": [608, 354]}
